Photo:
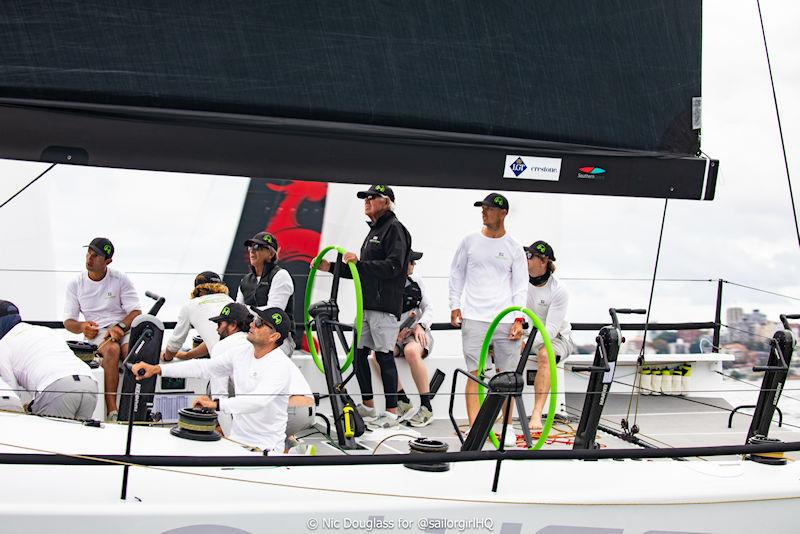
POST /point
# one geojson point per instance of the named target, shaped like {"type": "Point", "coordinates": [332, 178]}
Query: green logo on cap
{"type": "Point", "coordinates": [276, 317]}
{"type": "Point", "coordinates": [107, 249]}
{"type": "Point", "coordinates": [541, 248]}
{"type": "Point", "coordinates": [498, 201]}
{"type": "Point", "coordinates": [380, 188]}
{"type": "Point", "coordinates": [268, 238]}
{"type": "Point", "coordinates": [225, 311]}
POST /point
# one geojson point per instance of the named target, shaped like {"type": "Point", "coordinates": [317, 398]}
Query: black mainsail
{"type": "Point", "coordinates": [571, 97]}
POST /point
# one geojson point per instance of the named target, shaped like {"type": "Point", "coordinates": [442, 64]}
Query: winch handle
{"type": "Point", "coordinates": [626, 311]}
{"type": "Point", "coordinates": [129, 365]}
{"type": "Point", "coordinates": [785, 317]}
{"type": "Point", "coordinates": [159, 302]}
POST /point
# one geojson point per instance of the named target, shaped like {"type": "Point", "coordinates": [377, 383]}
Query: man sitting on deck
{"type": "Point", "coordinates": [262, 377]}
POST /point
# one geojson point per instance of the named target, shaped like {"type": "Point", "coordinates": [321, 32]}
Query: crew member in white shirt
{"type": "Point", "coordinates": [267, 285]}
{"type": "Point", "coordinates": [209, 295]}
{"type": "Point", "coordinates": [415, 343]}
{"type": "Point", "coordinates": [262, 375]}
{"type": "Point", "coordinates": [36, 359]}
{"type": "Point", "coordinates": [487, 275]}
{"type": "Point", "coordinates": [549, 300]}
{"type": "Point", "coordinates": [109, 303]}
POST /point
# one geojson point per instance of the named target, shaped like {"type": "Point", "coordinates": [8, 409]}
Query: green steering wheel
{"type": "Point", "coordinates": [487, 340]}
{"type": "Point", "coordinates": [359, 308]}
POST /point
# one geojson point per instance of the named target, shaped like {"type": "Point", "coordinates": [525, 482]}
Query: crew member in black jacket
{"type": "Point", "coordinates": [267, 285]}
{"type": "Point", "coordinates": [382, 269]}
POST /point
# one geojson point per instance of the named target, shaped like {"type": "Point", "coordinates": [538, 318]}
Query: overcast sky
{"type": "Point", "coordinates": [163, 222]}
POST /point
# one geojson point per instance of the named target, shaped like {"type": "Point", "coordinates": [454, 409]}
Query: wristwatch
{"type": "Point", "coordinates": [123, 326]}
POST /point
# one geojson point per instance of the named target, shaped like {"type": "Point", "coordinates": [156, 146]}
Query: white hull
{"type": "Point", "coordinates": [533, 496]}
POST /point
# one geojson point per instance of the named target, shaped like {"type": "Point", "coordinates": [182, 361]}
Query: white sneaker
{"type": "Point", "coordinates": [303, 449]}
{"type": "Point", "coordinates": [367, 413]}
{"type": "Point", "coordinates": [404, 409]}
{"type": "Point", "coordinates": [385, 420]}
{"type": "Point", "coordinates": [422, 418]}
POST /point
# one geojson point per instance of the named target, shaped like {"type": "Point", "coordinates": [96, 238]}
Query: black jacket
{"type": "Point", "coordinates": [256, 292]}
{"type": "Point", "coordinates": [382, 265]}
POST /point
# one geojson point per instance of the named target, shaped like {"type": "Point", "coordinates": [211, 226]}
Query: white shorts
{"type": "Point", "coordinates": [101, 336]}
{"type": "Point", "coordinates": [562, 347]}
{"type": "Point", "coordinates": [506, 351]}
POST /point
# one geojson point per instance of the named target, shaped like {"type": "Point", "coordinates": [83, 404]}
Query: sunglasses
{"type": "Point", "coordinates": [530, 255]}
{"type": "Point", "coordinates": [257, 247]}
{"type": "Point", "coordinates": [259, 322]}
{"type": "Point", "coordinates": [371, 197]}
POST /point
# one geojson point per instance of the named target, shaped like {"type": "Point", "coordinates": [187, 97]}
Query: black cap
{"type": "Point", "coordinates": [277, 319]}
{"type": "Point", "coordinates": [263, 239]}
{"type": "Point", "coordinates": [233, 313]}
{"type": "Point", "coordinates": [414, 256]}
{"type": "Point", "coordinates": [207, 277]}
{"type": "Point", "coordinates": [541, 247]}
{"type": "Point", "coordinates": [494, 200]}
{"type": "Point", "coordinates": [102, 246]}
{"type": "Point", "coordinates": [8, 308]}
{"type": "Point", "coordinates": [377, 189]}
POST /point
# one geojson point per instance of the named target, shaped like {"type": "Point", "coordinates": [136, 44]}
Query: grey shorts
{"type": "Point", "coordinates": [72, 397]}
{"type": "Point", "coordinates": [379, 331]}
{"type": "Point", "coordinates": [562, 347]}
{"type": "Point", "coordinates": [506, 351]}
{"type": "Point", "coordinates": [101, 335]}
{"type": "Point", "coordinates": [401, 345]}
{"type": "Point", "coordinates": [300, 418]}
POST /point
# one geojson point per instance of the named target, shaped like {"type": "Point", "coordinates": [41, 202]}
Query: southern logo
{"type": "Point", "coordinates": [591, 173]}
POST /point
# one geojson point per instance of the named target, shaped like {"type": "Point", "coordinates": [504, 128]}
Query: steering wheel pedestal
{"type": "Point", "coordinates": [324, 316]}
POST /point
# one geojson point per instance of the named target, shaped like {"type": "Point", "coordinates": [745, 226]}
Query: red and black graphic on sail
{"type": "Point", "coordinates": [292, 211]}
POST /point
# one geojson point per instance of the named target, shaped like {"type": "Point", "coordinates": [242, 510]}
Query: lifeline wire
{"type": "Point", "coordinates": [778, 116]}
{"type": "Point", "coordinates": [12, 197]}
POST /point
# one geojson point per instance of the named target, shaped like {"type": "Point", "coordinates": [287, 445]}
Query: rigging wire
{"type": "Point", "coordinates": [12, 197]}
{"type": "Point", "coordinates": [762, 290]}
{"type": "Point", "coordinates": [778, 116]}
{"type": "Point", "coordinates": [640, 361]}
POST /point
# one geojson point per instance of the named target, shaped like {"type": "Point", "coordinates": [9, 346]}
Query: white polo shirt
{"type": "Point", "coordinates": [105, 302]}
{"type": "Point", "coordinates": [262, 392]}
